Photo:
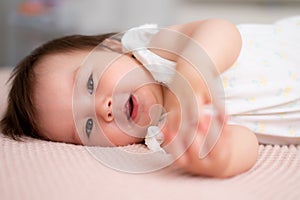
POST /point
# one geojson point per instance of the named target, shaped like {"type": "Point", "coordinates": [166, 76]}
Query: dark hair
{"type": "Point", "coordinates": [19, 118]}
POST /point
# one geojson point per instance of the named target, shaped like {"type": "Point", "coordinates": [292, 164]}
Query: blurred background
{"type": "Point", "coordinates": [26, 24]}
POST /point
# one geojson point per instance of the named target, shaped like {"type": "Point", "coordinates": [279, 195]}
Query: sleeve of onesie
{"type": "Point", "coordinates": [136, 40]}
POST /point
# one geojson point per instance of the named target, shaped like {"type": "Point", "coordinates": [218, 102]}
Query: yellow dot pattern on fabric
{"type": "Point", "coordinates": [228, 82]}
{"type": "Point", "coordinates": [251, 99]}
{"type": "Point", "coordinates": [282, 54]}
{"type": "Point", "coordinates": [263, 87]}
{"type": "Point", "coordinates": [261, 127]}
{"type": "Point", "coordinates": [294, 76]}
{"type": "Point", "coordinates": [260, 81]}
{"type": "Point", "coordinates": [292, 131]}
{"type": "Point", "coordinates": [284, 92]}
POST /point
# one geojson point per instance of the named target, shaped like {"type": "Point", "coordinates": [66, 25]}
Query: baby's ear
{"type": "Point", "coordinates": [113, 44]}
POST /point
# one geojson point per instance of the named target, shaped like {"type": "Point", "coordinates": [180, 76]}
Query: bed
{"type": "Point", "coordinates": [35, 169]}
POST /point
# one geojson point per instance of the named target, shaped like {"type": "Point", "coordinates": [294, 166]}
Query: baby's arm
{"type": "Point", "coordinates": [237, 149]}
{"type": "Point", "coordinates": [219, 38]}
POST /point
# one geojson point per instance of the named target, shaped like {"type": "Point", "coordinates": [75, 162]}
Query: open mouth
{"type": "Point", "coordinates": [131, 107]}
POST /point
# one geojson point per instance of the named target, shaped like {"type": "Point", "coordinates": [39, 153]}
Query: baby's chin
{"type": "Point", "coordinates": [128, 140]}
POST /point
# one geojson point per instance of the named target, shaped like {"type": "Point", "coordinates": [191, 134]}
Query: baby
{"type": "Point", "coordinates": [41, 96]}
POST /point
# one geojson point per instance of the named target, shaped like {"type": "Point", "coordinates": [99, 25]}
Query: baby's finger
{"type": "Point", "coordinates": [174, 144]}
{"type": "Point", "coordinates": [211, 125]}
{"type": "Point", "coordinates": [190, 160]}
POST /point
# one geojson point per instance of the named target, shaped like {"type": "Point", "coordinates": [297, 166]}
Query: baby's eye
{"type": "Point", "coordinates": [89, 127]}
{"type": "Point", "coordinates": [90, 84]}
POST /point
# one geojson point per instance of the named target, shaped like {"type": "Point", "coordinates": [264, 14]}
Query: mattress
{"type": "Point", "coordinates": [47, 170]}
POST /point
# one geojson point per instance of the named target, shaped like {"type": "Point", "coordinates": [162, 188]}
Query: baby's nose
{"type": "Point", "coordinates": [104, 109]}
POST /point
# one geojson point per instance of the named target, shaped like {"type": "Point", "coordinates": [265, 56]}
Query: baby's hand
{"type": "Point", "coordinates": [186, 147]}
{"type": "Point", "coordinates": [235, 151]}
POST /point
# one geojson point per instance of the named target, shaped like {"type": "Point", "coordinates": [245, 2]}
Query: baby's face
{"type": "Point", "coordinates": [53, 98]}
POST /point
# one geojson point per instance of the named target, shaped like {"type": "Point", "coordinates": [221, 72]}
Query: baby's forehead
{"type": "Point", "coordinates": [63, 61]}
{"type": "Point", "coordinates": [53, 91]}
{"type": "Point", "coordinates": [54, 76]}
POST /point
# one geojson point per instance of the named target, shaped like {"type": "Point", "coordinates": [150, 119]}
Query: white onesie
{"type": "Point", "coordinates": [262, 88]}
